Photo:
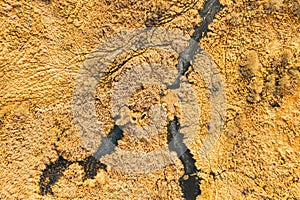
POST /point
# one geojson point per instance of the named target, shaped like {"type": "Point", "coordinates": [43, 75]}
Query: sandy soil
{"type": "Point", "coordinates": [255, 45]}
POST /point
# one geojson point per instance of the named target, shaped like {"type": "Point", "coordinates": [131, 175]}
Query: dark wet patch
{"type": "Point", "coordinates": [189, 182]}
{"type": "Point", "coordinates": [54, 171]}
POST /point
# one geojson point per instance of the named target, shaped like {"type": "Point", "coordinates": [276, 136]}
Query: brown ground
{"type": "Point", "coordinates": [256, 46]}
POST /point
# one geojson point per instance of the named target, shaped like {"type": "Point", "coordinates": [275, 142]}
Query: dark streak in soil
{"type": "Point", "coordinates": [52, 174]}
{"type": "Point", "coordinates": [189, 182]}
{"type": "Point", "coordinates": [208, 13]}
{"type": "Point", "coordinates": [54, 171]}
{"type": "Point", "coordinates": [91, 166]}
{"type": "Point", "coordinates": [109, 143]}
